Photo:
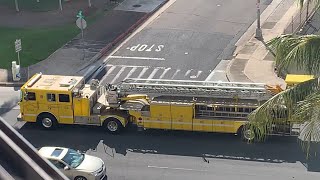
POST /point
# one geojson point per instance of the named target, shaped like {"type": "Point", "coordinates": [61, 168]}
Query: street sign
{"type": "Point", "coordinates": [17, 45]}
{"type": "Point", "coordinates": [81, 23]}
{"type": "Point", "coordinates": [80, 15]}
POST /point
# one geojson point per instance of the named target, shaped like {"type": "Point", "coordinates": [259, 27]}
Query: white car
{"type": "Point", "coordinates": [75, 165]}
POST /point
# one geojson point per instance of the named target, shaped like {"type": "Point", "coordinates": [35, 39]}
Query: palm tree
{"type": "Point", "coordinates": [300, 104]}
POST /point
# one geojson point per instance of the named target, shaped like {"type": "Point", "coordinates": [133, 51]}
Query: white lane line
{"type": "Point", "coordinates": [164, 73]}
{"type": "Point", "coordinates": [130, 72]}
{"type": "Point", "coordinates": [142, 72]}
{"type": "Point", "coordinates": [174, 75]}
{"type": "Point", "coordinates": [117, 76]}
{"type": "Point", "coordinates": [153, 73]}
{"type": "Point", "coordinates": [141, 58]}
{"type": "Point", "coordinates": [184, 169]}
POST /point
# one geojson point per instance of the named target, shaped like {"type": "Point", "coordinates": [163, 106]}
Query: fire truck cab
{"type": "Point", "coordinates": [50, 100]}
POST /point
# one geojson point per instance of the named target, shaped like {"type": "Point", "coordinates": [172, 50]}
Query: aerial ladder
{"type": "Point", "coordinates": [155, 87]}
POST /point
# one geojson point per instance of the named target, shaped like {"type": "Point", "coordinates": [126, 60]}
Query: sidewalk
{"type": "Point", "coordinates": [75, 57]}
{"type": "Point", "coordinates": [253, 62]}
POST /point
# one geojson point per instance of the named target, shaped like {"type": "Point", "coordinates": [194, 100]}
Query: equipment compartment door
{"type": "Point", "coordinates": [160, 116]}
{"type": "Point", "coordinates": [182, 116]}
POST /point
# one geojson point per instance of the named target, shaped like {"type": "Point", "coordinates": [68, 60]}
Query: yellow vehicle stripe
{"type": "Point", "coordinates": [174, 122]}
{"type": "Point", "coordinates": [67, 117]}
{"type": "Point", "coordinates": [29, 115]}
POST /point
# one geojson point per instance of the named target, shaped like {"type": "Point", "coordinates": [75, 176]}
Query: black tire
{"type": "Point", "coordinates": [113, 125]}
{"type": "Point", "coordinates": [47, 121]}
{"type": "Point", "coordinates": [80, 178]}
{"type": "Point", "coordinates": [247, 135]}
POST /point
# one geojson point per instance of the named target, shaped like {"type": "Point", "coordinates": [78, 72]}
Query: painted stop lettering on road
{"type": "Point", "coordinates": [146, 48]}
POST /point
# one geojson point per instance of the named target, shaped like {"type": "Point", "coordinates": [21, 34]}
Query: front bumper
{"type": "Point", "coordinates": [19, 117]}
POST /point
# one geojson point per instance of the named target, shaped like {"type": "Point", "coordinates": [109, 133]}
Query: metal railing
{"type": "Point", "coordinates": [20, 160]}
{"type": "Point", "coordinates": [301, 19]}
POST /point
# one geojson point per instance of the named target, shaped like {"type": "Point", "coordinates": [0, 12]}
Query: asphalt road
{"type": "Point", "coordinates": [187, 41]}
{"type": "Point", "coordinates": [9, 109]}
{"type": "Point", "coordinates": [158, 155]}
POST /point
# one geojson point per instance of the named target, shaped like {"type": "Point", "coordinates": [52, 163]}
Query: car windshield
{"type": "Point", "coordinates": [73, 158]}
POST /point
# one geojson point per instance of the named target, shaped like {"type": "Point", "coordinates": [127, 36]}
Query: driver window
{"type": "Point", "coordinates": [30, 96]}
{"type": "Point", "coordinates": [58, 164]}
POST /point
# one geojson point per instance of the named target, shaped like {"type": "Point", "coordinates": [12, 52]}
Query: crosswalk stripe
{"type": "Point", "coordinates": [188, 72]}
{"type": "Point", "coordinates": [130, 72]}
{"type": "Point", "coordinates": [142, 72]}
{"type": "Point", "coordinates": [118, 74]}
{"type": "Point", "coordinates": [175, 74]}
{"type": "Point", "coordinates": [164, 73]}
{"type": "Point", "coordinates": [153, 73]}
{"type": "Point", "coordinates": [108, 72]}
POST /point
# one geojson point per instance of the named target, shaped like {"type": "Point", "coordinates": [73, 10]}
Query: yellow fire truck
{"type": "Point", "coordinates": [207, 106]}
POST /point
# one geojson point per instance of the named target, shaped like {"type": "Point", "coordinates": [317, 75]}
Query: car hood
{"type": "Point", "coordinates": [90, 164]}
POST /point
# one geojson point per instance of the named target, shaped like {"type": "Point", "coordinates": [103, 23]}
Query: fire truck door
{"type": "Point", "coordinates": [65, 109]}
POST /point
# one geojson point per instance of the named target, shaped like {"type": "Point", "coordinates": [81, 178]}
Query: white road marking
{"type": "Point", "coordinates": [188, 72]}
{"type": "Point", "coordinates": [184, 169]}
{"type": "Point", "coordinates": [153, 73]}
{"type": "Point", "coordinates": [164, 73]}
{"type": "Point", "coordinates": [142, 72]}
{"type": "Point", "coordinates": [198, 74]}
{"type": "Point", "coordinates": [117, 76]}
{"type": "Point", "coordinates": [130, 72]}
{"type": "Point", "coordinates": [140, 58]}
{"type": "Point", "coordinates": [175, 73]}
{"type": "Point", "coordinates": [108, 72]}
{"type": "Point", "coordinates": [220, 68]}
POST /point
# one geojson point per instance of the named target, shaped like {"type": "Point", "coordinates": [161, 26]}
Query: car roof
{"type": "Point", "coordinates": [53, 152]}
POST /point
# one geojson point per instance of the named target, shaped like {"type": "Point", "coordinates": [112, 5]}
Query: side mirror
{"type": "Point", "coordinates": [25, 96]}
{"type": "Point", "coordinates": [66, 168]}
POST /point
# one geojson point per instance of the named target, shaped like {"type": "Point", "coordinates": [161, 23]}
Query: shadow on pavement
{"type": "Point", "coordinates": [8, 105]}
{"type": "Point", "coordinates": [225, 146]}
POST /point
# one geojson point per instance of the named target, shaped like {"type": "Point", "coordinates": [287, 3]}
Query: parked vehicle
{"type": "Point", "coordinates": [75, 165]}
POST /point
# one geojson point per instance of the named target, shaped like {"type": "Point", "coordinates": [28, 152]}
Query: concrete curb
{"type": "Point", "coordinates": [120, 38]}
{"type": "Point", "coordinates": [11, 84]}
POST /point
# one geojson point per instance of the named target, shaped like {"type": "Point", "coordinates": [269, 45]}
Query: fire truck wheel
{"type": "Point", "coordinates": [47, 121]}
{"type": "Point", "coordinates": [113, 125]}
{"type": "Point", "coordinates": [247, 135]}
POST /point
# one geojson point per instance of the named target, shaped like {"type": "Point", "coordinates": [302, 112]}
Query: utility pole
{"type": "Point", "coordinates": [60, 5]}
{"type": "Point", "coordinates": [89, 3]}
{"type": "Point", "coordinates": [17, 6]}
{"type": "Point", "coordinates": [258, 29]}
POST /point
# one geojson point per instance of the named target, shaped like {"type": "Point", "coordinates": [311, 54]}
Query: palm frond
{"type": "Point", "coordinates": [302, 51]}
{"type": "Point", "coordinates": [301, 3]}
{"type": "Point", "coordinates": [282, 107]}
{"type": "Point", "coordinates": [308, 111]}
